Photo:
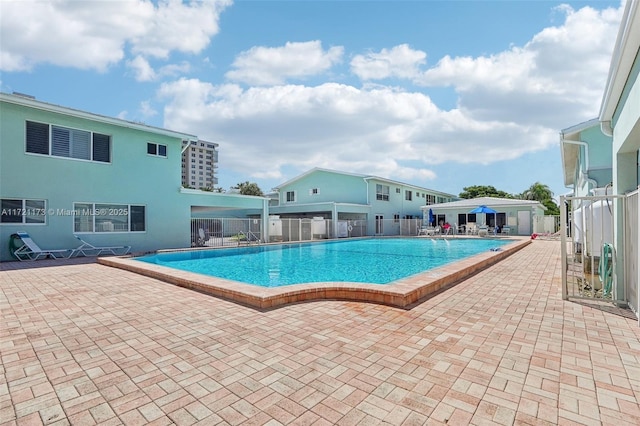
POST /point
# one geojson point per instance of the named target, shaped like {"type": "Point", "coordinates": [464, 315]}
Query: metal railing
{"type": "Point", "coordinates": [588, 254]}
{"type": "Point", "coordinates": [632, 252]}
{"type": "Point", "coordinates": [219, 232]}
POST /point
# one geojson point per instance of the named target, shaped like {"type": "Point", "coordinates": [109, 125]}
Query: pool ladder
{"type": "Point", "coordinates": [249, 237]}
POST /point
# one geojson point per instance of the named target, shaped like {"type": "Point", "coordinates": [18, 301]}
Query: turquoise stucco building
{"type": "Point", "coordinates": [114, 182]}
{"type": "Point", "coordinates": [377, 203]}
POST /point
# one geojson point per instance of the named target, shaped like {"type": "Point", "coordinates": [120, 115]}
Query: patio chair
{"type": "Point", "coordinates": [471, 228]}
{"type": "Point", "coordinates": [87, 249]}
{"type": "Point", "coordinates": [426, 230]}
{"type": "Point", "coordinates": [30, 250]}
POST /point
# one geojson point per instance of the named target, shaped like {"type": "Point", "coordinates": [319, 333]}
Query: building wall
{"type": "Point", "coordinates": [511, 216]}
{"type": "Point", "coordinates": [322, 186]}
{"type": "Point", "coordinates": [626, 133]}
{"type": "Point", "coordinates": [133, 177]}
{"type": "Point", "coordinates": [398, 204]}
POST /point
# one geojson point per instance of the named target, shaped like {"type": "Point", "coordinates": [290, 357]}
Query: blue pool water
{"type": "Point", "coordinates": [377, 261]}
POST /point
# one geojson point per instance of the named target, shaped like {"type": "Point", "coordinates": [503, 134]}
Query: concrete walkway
{"type": "Point", "coordinates": [82, 343]}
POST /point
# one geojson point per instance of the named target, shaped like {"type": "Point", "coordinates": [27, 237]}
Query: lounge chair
{"type": "Point", "coordinates": [30, 250]}
{"type": "Point", "coordinates": [425, 230]}
{"type": "Point", "coordinates": [546, 236]}
{"type": "Point", "coordinates": [87, 249]}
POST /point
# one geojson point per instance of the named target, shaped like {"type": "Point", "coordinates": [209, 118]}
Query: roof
{"type": "Point", "coordinates": [31, 102]}
{"type": "Point", "coordinates": [471, 203]}
{"type": "Point", "coordinates": [363, 176]}
{"type": "Point", "coordinates": [624, 55]}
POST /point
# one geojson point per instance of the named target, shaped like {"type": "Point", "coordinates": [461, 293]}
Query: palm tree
{"type": "Point", "coordinates": [537, 192]}
{"type": "Point", "coordinates": [543, 194]}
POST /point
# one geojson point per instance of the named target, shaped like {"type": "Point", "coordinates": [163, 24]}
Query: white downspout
{"type": "Point", "coordinates": [265, 221]}
{"type": "Point", "coordinates": [593, 183]}
{"type": "Point", "coordinates": [334, 215]}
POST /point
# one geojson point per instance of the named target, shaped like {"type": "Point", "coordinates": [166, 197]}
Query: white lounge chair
{"type": "Point", "coordinates": [429, 231]}
{"type": "Point", "coordinates": [87, 249]}
{"type": "Point", "coordinates": [425, 230]}
{"type": "Point", "coordinates": [30, 250]}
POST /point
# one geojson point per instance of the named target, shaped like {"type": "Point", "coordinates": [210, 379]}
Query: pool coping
{"type": "Point", "coordinates": [401, 293]}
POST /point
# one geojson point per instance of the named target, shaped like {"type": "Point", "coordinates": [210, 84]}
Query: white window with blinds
{"type": "Point", "coordinates": [58, 141]}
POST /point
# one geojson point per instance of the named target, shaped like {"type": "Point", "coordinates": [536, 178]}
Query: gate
{"type": "Point", "coordinates": [588, 254]}
{"type": "Point", "coordinates": [632, 252]}
{"type": "Point", "coordinates": [218, 232]}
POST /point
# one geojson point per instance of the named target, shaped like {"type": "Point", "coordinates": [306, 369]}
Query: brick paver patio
{"type": "Point", "coordinates": [82, 343]}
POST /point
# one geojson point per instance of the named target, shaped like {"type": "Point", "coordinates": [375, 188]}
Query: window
{"type": "Point", "coordinates": [58, 141]}
{"type": "Point", "coordinates": [431, 199]}
{"type": "Point", "coordinates": [382, 192]}
{"type": "Point", "coordinates": [90, 217]}
{"type": "Point", "coordinates": [291, 196]}
{"type": "Point", "coordinates": [156, 149]}
{"type": "Point", "coordinates": [22, 211]}
{"type": "Point", "coordinates": [396, 218]}
{"type": "Point", "coordinates": [408, 195]}
{"type": "Point", "coordinates": [314, 191]}
{"type": "Point", "coordinates": [397, 190]}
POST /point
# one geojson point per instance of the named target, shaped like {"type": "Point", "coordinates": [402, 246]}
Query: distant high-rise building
{"type": "Point", "coordinates": [199, 164]}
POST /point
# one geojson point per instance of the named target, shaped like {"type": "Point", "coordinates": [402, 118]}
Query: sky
{"type": "Point", "coordinates": [438, 94]}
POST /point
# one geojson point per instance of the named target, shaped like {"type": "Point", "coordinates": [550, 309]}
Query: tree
{"type": "Point", "coordinates": [537, 192]}
{"type": "Point", "coordinates": [483, 191]}
{"type": "Point", "coordinates": [248, 188]}
{"type": "Point", "coordinates": [543, 194]}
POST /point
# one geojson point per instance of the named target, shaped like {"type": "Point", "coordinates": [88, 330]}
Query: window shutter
{"type": "Point", "coordinates": [60, 141]}
{"type": "Point", "coordinates": [37, 138]}
{"type": "Point", "coordinates": [80, 144]}
{"type": "Point", "coordinates": [101, 148]}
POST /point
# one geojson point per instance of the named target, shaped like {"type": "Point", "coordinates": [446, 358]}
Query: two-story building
{"type": "Point", "coordinates": [369, 205]}
{"type": "Point", "coordinates": [111, 181]}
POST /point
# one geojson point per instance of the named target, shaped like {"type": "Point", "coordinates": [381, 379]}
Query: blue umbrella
{"type": "Point", "coordinates": [431, 218]}
{"type": "Point", "coordinates": [484, 209]}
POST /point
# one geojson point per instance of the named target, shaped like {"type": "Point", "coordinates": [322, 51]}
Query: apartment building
{"type": "Point", "coordinates": [199, 164]}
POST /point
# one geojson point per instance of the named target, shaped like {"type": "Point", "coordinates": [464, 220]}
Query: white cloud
{"type": "Point", "coordinates": [554, 80]}
{"type": "Point", "coordinates": [95, 34]}
{"type": "Point", "coordinates": [510, 104]}
{"type": "Point", "coordinates": [263, 130]}
{"type": "Point", "coordinates": [400, 61]}
{"type": "Point", "coordinates": [143, 71]}
{"type": "Point", "coordinates": [274, 65]}
{"type": "Point", "coordinates": [147, 110]}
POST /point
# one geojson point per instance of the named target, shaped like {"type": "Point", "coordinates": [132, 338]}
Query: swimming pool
{"type": "Point", "coordinates": [374, 261]}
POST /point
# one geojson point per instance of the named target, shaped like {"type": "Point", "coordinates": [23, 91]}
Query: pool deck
{"type": "Point", "coordinates": [402, 293]}
{"type": "Point", "coordinates": [83, 343]}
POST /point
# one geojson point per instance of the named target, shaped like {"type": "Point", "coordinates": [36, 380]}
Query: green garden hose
{"type": "Point", "coordinates": [605, 269]}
